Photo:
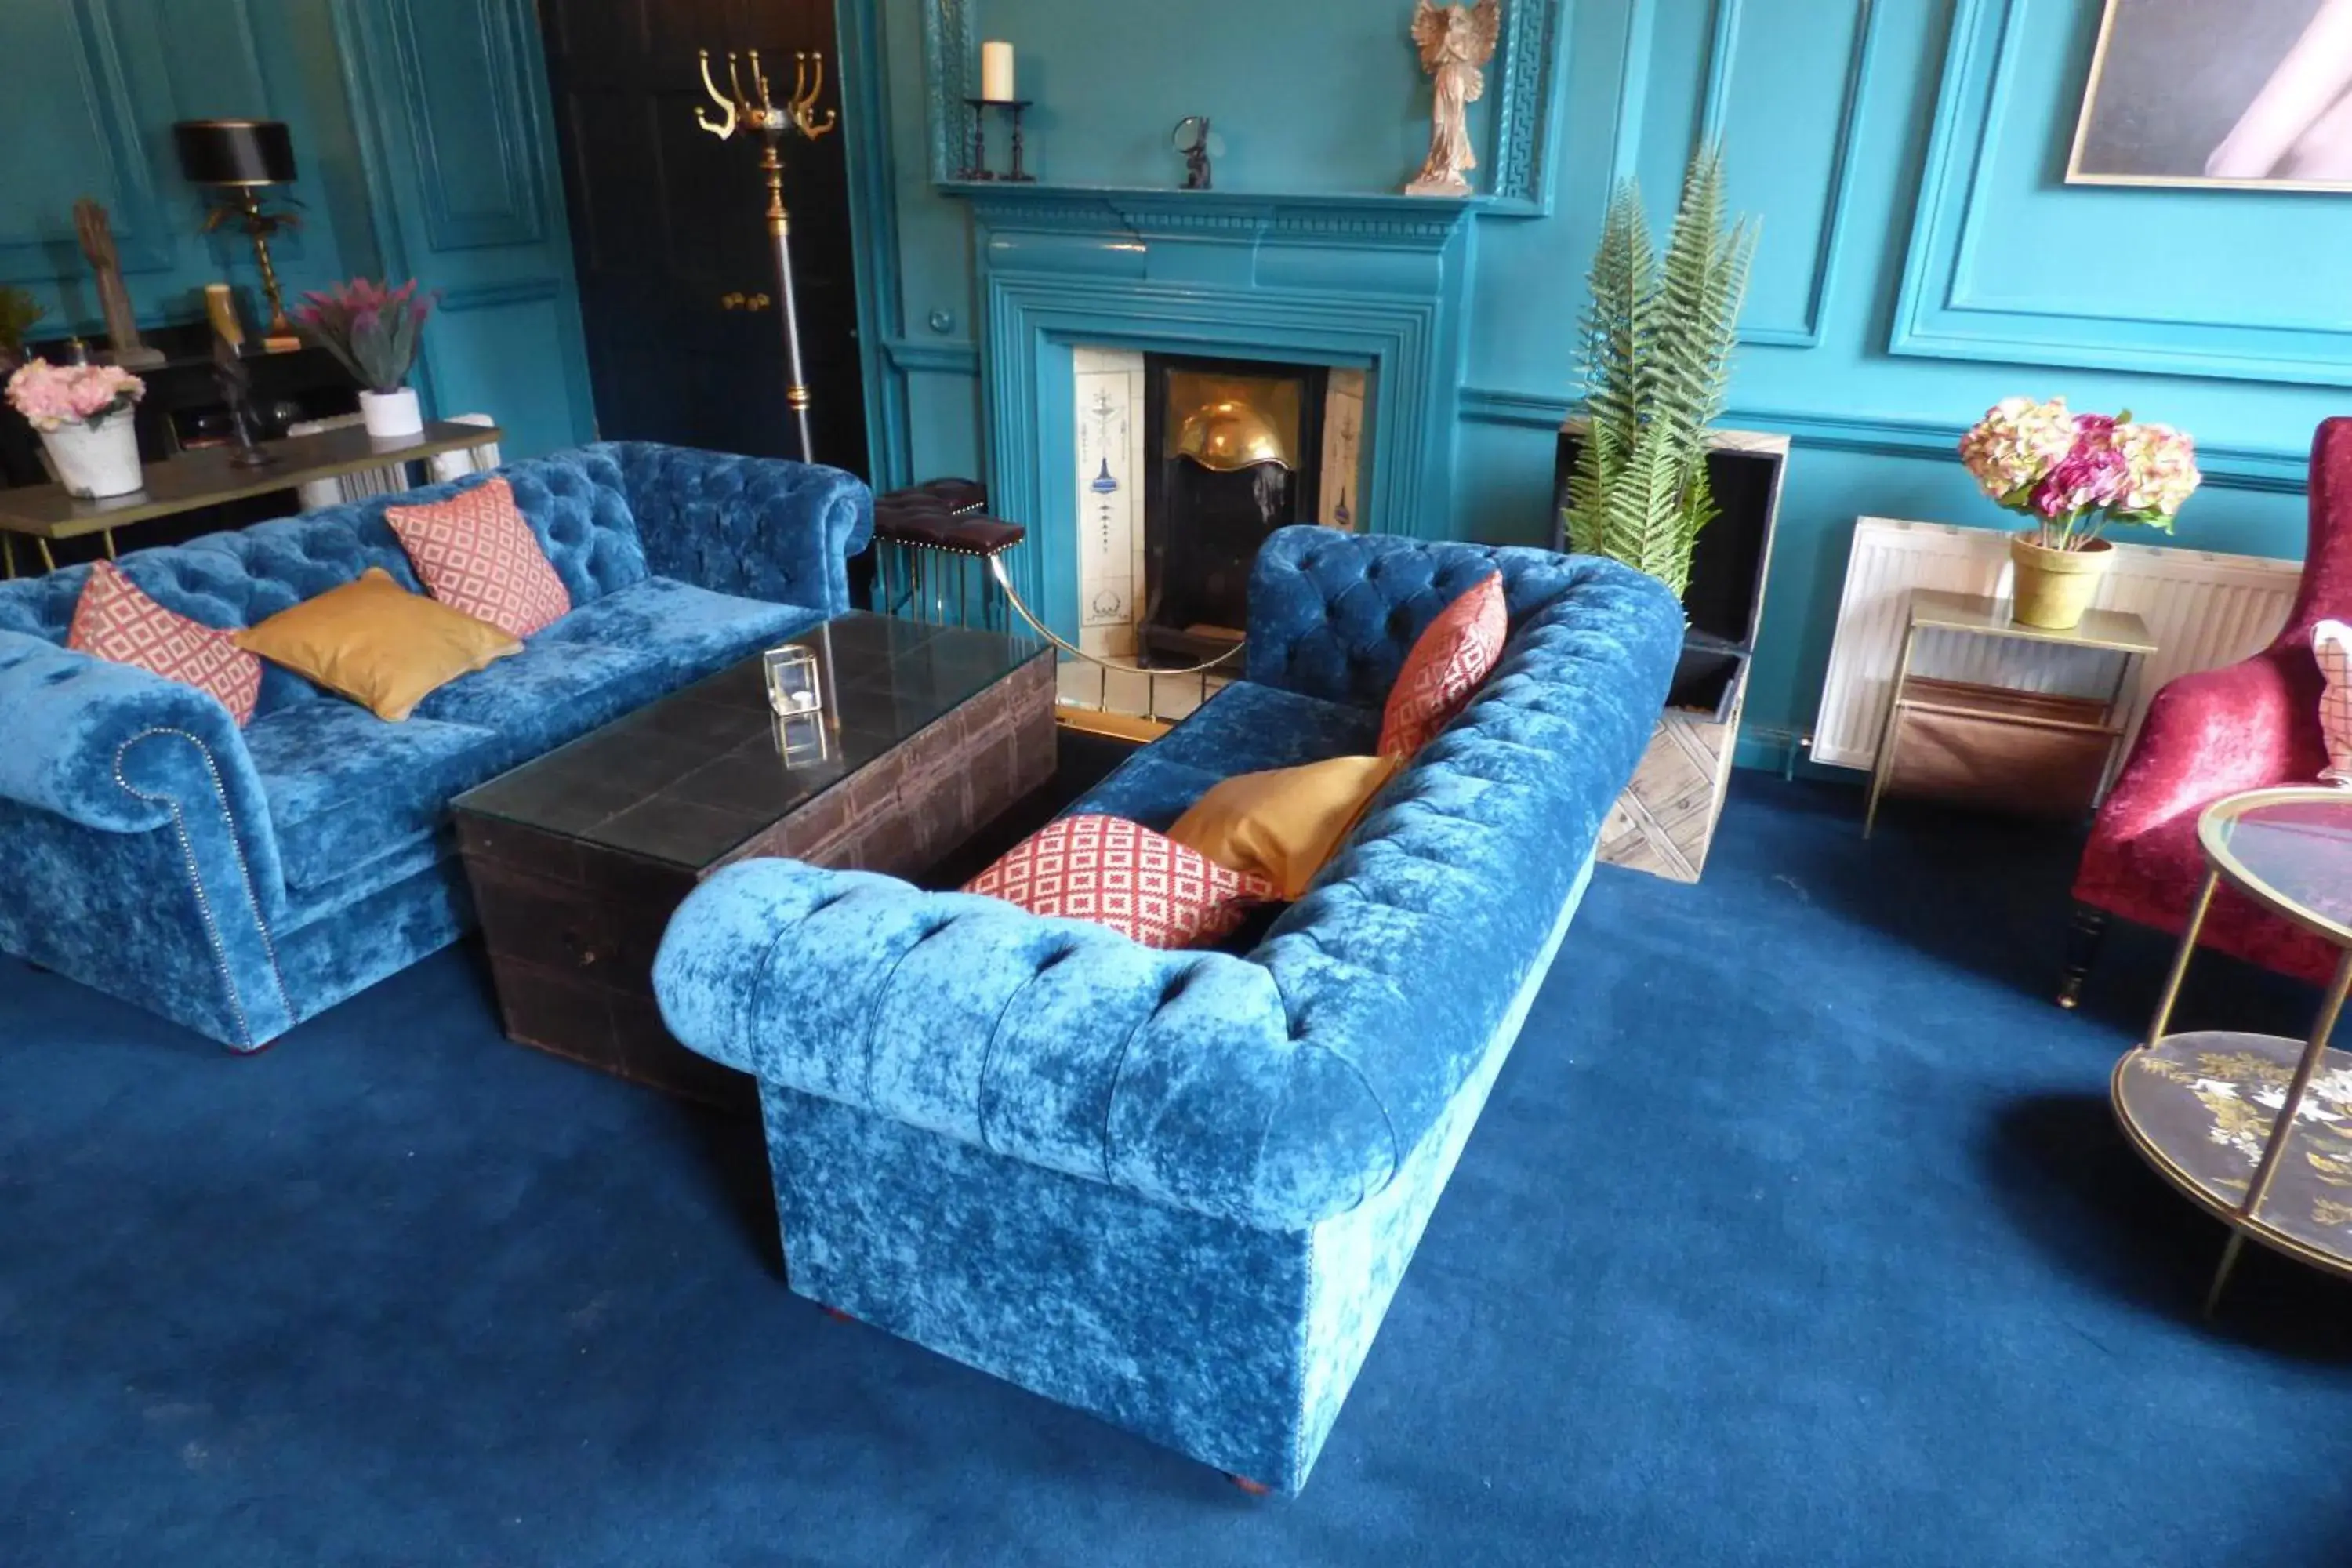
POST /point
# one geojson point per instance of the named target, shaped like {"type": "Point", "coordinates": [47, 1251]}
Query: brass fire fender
{"type": "Point", "coordinates": [1151, 678]}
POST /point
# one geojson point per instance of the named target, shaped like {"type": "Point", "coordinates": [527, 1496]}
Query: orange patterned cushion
{"type": "Point", "coordinates": [475, 554]}
{"type": "Point", "coordinates": [2331, 644]}
{"type": "Point", "coordinates": [113, 620]}
{"type": "Point", "coordinates": [1122, 875]}
{"type": "Point", "coordinates": [1445, 668]}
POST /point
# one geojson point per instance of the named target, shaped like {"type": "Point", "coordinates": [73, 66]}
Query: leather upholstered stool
{"type": "Point", "coordinates": [928, 537]}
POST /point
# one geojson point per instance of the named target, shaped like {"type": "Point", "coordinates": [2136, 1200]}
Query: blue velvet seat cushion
{"type": "Point", "coordinates": [347, 789]}
{"type": "Point", "coordinates": [549, 693]}
{"type": "Point", "coordinates": [1147, 789]}
{"type": "Point", "coordinates": [1246, 728]}
{"type": "Point", "coordinates": [605, 658]}
{"type": "Point", "coordinates": [686, 626]}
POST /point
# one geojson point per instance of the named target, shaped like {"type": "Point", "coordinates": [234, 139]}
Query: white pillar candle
{"type": "Point", "coordinates": [996, 72]}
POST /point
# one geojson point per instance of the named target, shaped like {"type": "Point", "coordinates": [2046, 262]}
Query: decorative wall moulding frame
{"type": "Point", "coordinates": [120, 65]}
{"type": "Point", "coordinates": [1934, 316]}
{"type": "Point", "coordinates": [1524, 87]}
{"type": "Point", "coordinates": [1722, 59]}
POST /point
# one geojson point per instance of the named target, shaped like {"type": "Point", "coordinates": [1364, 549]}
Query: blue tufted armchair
{"type": "Point", "coordinates": [241, 880]}
{"type": "Point", "coordinates": [1179, 1189]}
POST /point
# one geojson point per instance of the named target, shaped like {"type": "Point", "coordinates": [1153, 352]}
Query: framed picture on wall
{"type": "Point", "coordinates": [2253, 93]}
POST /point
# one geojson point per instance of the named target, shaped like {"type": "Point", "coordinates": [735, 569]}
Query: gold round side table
{"type": "Point", "coordinates": [2257, 1129]}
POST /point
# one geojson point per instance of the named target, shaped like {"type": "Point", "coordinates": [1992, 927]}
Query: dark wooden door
{"type": "Point", "coordinates": [668, 229]}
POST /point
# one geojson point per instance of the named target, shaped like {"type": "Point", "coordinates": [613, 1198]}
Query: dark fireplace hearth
{"type": "Point", "coordinates": [1235, 452]}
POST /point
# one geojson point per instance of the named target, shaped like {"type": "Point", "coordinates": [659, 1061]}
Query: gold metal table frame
{"type": "Point", "coordinates": [2117, 633]}
{"type": "Point", "coordinates": [2184, 1100]}
{"type": "Point", "coordinates": [205, 476]}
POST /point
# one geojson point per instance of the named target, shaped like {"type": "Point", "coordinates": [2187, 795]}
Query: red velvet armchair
{"type": "Point", "coordinates": [2215, 733]}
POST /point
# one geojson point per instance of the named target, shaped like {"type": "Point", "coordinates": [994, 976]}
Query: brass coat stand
{"type": "Point", "coordinates": [759, 109]}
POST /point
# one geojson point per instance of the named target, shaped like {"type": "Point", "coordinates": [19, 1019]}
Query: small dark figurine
{"type": "Point", "coordinates": [235, 384]}
{"type": "Point", "coordinates": [1192, 139]}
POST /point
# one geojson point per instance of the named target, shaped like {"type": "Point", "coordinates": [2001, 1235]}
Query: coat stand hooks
{"type": "Point", "coordinates": [796, 114]}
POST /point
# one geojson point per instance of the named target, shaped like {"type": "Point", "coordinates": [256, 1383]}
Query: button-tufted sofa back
{"type": "Point", "coordinates": [1333, 614]}
{"type": "Point", "coordinates": [574, 502]}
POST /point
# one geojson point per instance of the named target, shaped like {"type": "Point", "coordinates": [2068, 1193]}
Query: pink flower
{"type": "Point", "coordinates": [2013, 447]}
{"type": "Point", "coordinates": [2163, 471]}
{"type": "Point", "coordinates": [54, 395]}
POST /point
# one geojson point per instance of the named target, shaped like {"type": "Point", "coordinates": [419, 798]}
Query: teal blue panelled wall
{"type": "Point", "coordinates": [422, 134]}
{"type": "Point", "coordinates": [1921, 257]}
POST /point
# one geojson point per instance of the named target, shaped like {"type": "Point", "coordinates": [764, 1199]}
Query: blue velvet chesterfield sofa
{"type": "Point", "coordinates": [241, 881]}
{"type": "Point", "coordinates": [1179, 1189]}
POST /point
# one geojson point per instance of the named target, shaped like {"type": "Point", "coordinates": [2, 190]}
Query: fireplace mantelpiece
{"type": "Point", "coordinates": [1375, 282]}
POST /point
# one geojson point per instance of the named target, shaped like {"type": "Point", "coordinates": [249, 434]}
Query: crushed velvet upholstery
{"type": "Point", "coordinates": [679, 623]}
{"type": "Point", "coordinates": [1178, 1188]}
{"type": "Point", "coordinates": [782, 532]}
{"type": "Point", "coordinates": [2216, 732]}
{"type": "Point", "coordinates": [345, 789]}
{"type": "Point", "coordinates": [1243, 729]}
{"type": "Point", "coordinates": [239, 882]}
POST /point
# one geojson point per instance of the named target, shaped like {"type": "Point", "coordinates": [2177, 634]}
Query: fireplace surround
{"type": "Point", "coordinates": [1373, 284]}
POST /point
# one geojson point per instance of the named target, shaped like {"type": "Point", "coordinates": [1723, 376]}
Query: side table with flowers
{"type": "Point", "coordinates": [2074, 474]}
{"type": "Point", "coordinates": [83, 413]}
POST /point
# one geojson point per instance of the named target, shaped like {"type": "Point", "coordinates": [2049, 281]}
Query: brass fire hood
{"type": "Point", "coordinates": [1230, 423]}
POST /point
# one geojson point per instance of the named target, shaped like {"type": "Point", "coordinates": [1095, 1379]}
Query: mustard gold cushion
{"type": "Point", "coordinates": [1284, 824]}
{"type": "Point", "coordinates": [378, 643]}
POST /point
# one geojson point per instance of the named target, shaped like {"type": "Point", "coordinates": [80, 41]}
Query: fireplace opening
{"type": "Point", "coordinates": [1236, 450]}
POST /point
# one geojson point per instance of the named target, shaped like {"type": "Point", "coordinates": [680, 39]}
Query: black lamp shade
{"type": "Point", "coordinates": [235, 151]}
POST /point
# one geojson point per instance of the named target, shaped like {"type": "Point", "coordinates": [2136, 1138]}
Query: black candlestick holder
{"type": "Point", "coordinates": [979, 108]}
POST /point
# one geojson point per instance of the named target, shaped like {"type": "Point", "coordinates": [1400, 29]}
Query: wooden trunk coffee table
{"type": "Point", "coordinates": [578, 859]}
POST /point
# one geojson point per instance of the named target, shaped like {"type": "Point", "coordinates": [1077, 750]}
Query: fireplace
{"type": "Point", "coordinates": [1075, 287]}
{"type": "Point", "coordinates": [1232, 439]}
{"type": "Point", "coordinates": [1185, 463]}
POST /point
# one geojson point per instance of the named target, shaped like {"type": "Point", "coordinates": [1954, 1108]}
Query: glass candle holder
{"type": "Point", "coordinates": [792, 686]}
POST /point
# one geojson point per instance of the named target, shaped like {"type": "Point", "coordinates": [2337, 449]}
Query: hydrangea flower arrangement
{"type": "Point", "coordinates": [2075, 473]}
{"type": "Point", "coordinates": [55, 395]}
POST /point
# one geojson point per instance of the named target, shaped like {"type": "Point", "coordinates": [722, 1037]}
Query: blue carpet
{"type": "Point", "coordinates": [1797, 1232]}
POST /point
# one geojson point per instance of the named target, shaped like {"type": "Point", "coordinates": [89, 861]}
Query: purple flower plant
{"type": "Point", "coordinates": [371, 329]}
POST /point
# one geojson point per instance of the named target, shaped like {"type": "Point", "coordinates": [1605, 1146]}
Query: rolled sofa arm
{"type": "Point", "coordinates": [1174, 1075]}
{"type": "Point", "coordinates": [762, 527]}
{"type": "Point", "coordinates": [114, 748]}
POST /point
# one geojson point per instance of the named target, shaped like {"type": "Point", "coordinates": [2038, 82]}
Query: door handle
{"type": "Point", "coordinates": [733, 302]}
{"type": "Point", "coordinates": [758, 303]}
{"type": "Point", "coordinates": [741, 301]}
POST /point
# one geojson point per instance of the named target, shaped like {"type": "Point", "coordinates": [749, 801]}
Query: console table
{"type": "Point", "coordinates": [205, 477]}
{"type": "Point", "coordinates": [2034, 752]}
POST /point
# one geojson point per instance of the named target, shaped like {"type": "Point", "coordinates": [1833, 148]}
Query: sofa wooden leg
{"type": "Point", "coordinates": [1253, 1489]}
{"type": "Point", "coordinates": [2083, 940]}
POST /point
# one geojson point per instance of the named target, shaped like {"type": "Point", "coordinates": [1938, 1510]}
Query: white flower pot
{"type": "Point", "coordinates": [95, 460]}
{"type": "Point", "coordinates": [392, 415]}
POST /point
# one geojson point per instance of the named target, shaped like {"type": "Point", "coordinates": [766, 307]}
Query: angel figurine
{"type": "Point", "coordinates": [1455, 42]}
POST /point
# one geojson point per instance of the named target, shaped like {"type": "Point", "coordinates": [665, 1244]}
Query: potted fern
{"type": "Point", "coordinates": [1645, 477]}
